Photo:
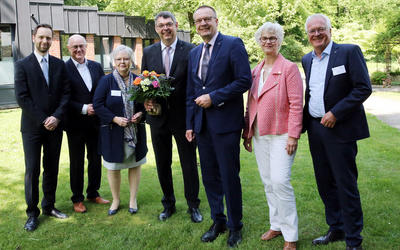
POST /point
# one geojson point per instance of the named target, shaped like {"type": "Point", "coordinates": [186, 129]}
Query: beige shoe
{"type": "Point", "coordinates": [289, 246]}
{"type": "Point", "coordinates": [270, 234]}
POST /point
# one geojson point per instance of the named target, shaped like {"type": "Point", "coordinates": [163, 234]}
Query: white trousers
{"type": "Point", "coordinates": [275, 165]}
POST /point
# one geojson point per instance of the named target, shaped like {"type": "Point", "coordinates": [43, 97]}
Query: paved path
{"type": "Point", "coordinates": [386, 109]}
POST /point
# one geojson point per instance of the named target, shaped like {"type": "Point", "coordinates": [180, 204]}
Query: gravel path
{"type": "Point", "coordinates": [386, 109]}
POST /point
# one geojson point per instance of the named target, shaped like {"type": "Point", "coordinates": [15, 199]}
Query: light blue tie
{"type": "Point", "coordinates": [45, 69]}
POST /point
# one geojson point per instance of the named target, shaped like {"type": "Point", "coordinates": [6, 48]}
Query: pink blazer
{"type": "Point", "coordinates": [279, 108]}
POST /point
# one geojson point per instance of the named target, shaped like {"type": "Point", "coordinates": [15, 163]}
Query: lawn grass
{"type": "Point", "coordinates": [379, 175]}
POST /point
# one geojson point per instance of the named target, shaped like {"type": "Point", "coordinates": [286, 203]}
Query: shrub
{"type": "Point", "coordinates": [377, 77]}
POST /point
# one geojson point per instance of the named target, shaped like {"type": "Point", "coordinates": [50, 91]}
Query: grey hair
{"type": "Point", "coordinates": [273, 28]}
{"type": "Point", "coordinates": [121, 48]}
{"type": "Point", "coordinates": [165, 14]}
{"type": "Point", "coordinates": [327, 20]}
{"type": "Point", "coordinates": [76, 35]}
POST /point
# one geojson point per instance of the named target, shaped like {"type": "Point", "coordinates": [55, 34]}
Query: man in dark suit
{"type": "Point", "coordinates": [337, 84]}
{"type": "Point", "coordinates": [219, 74]}
{"type": "Point", "coordinates": [83, 124]}
{"type": "Point", "coordinates": [170, 57]}
{"type": "Point", "coordinates": [42, 92]}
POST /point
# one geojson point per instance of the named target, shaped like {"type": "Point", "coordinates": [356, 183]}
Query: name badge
{"type": "Point", "coordinates": [115, 92]}
{"type": "Point", "coordinates": [338, 70]}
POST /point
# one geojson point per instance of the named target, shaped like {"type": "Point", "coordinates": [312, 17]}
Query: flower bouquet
{"type": "Point", "coordinates": [149, 86]}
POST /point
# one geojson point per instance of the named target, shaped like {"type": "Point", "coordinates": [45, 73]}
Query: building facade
{"type": "Point", "coordinates": [103, 32]}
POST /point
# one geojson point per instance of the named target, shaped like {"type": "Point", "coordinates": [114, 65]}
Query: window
{"type": "Point", "coordinates": [147, 42]}
{"type": "Point", "coordinates": [131, 43]}
{"type": "Point", "coordinates": [102, 50]}
{"type": "Point", "coordinates": [64, 50]}
{"type": "Point", "coordinates": [6, 55]}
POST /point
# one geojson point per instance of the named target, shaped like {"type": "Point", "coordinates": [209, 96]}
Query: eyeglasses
{"type": "Point", "coordinates": [205, 19]}
{"type": "Point", "coordinates": [168, 25]}
{"type": "Point", "coordinates": [320, 30]}
{"type": "Point", "coordinates": [122, 59]}
{"type": "Point", "coordinates": [75, 47]}
{"type": "Point", "coordinates": [265, 39]}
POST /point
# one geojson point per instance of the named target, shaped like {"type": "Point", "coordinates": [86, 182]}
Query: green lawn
{"type": "Point", "coordinates": [379, 179]}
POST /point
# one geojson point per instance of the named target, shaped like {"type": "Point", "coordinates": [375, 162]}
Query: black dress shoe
{"type": "Point", "coordinates": [354, 248]}
{"type": "Point", "coordinates": [31, 224]}
{"type": "Point", "coordinates": [166, 213]}
{"type": "Point", "coordinates": [213, 232]}
{"type": "Point", "coordinates": [195, 215]}
{"type": "Point", "coordinates": [234, 239]}
{"type": "Point", "coordinates": [133, 210]}
{"type": "Point", "coordinates": [329, 237]}
{"type": "Point", "coordinates": [55, 213]}
{"type": "Point", "coordinates": [113, 212]}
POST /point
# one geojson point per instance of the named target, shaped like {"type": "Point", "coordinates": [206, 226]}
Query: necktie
{"type": "Point", "coordinates": [166, 61]}
{"type": "Point", "coordinates": [204, 63]}
{"type": "Point", "coordinates": [45, 69]}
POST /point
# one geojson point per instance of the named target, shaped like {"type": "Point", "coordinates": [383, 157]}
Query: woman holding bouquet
{"type": "Point", "coordinates": [122, 136]}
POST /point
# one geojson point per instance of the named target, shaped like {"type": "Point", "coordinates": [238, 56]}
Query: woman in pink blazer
{"type": "Point", "coordinates": [273, 122]}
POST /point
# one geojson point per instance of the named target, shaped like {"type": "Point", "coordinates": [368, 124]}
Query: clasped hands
{"type": "Point", "coordinates": [51, 123]}
{"type": "Point", "coordinates": [125, 122]}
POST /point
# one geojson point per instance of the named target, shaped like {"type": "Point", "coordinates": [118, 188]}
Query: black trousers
{"type": "Point", "coordinates": [77, 141]}
{"type": "Point", "coordinates": [336, 174]}
{"type": "Point", "coordinates": [162, 145]}
{"type": "Point", "coordinates": [50, 141]}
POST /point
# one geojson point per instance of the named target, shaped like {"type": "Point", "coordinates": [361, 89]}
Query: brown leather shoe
{"type": "Point", "coordinates": [270, 234]}
{"type": "Point", "coordinates": [289, 245]}
{"type": "Point", "coordinates": [79, 207]}
{"type": "Point", "coordinates": [98, 200]}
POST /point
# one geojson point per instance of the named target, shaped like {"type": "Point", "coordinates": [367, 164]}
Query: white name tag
{"type": "Point", "coordinates": [115, 92]}
{"type": "Point", "coordinates": [338, 70]}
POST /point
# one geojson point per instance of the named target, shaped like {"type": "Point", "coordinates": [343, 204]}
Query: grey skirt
{"type": "Point", "coordinates": [129, 160]}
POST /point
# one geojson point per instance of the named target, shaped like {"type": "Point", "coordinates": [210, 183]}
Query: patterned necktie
{"type": "Point", "coordinates": [45, 69]}
{"type": "Point", "coordinates": [204, 63]}
{"type": "Point", "coordinates": [166, 61]}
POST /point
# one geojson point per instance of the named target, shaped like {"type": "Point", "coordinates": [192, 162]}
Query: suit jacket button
{"type": "Point", "coordinates": [204, 87]}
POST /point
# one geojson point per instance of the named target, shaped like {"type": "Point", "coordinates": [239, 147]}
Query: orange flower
{"type": "Point", "coordinates": [137, 81]}
{"type": "Point", "coordinates": [146, 73]}
{"type": "Point", "coordinates": [153, 73]}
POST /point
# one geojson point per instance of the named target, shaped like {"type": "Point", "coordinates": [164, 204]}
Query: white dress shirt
{"type": "Point", "coordinates": [87, 78]}
{"type": "Point", "coordinates": [171, 52]}
{"type": "Point", "coordinates": [212, 43]}
{"type": "Point", "coordinates": [316, 105]}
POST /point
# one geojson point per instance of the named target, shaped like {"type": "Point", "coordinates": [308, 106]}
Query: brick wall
{"type": "Point", "coordinates": [138, 55]}
{"type": "Point", "coordinates": [55, 46]}
{"type": "Point", "coordinates": [90, 52]}
{"type": "Point", "coordinates": [116, 42]}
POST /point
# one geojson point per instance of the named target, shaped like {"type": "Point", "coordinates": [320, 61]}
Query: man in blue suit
{"type": "Point", "coordinates": [337, 84]}
{"type": "Point", "coordinates": [83, 124]}
{"type": "Point", "coordinates": [218, 75]}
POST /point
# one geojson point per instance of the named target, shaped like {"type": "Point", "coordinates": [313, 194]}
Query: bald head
{"type": "Point", "coordinates": [77, 48]}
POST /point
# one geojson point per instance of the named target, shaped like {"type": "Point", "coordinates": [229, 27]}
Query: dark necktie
{"type": "Point", "coordinates": [166, 61]}
{"type": "Point", "coordinates": [204, 63]}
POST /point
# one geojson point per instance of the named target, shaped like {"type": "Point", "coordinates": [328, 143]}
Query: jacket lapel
{"type": "Point", "coordinates": [274, 76]}
{"type": "Point", "coordinates": [177, 56]}
{"type": "Point", "coordinates": [196, 59]}
{"type": "Point", "coordinates": [332, 59]}
{"type": "Point", "coordinates": [214, 54]}
{"type": "Point", "coordinates": [157, 53]}
{"type": "Point", "coordinates": [77, 75]}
